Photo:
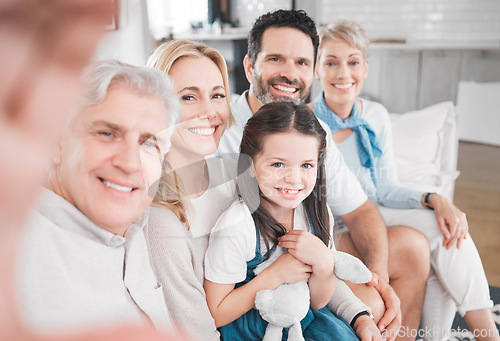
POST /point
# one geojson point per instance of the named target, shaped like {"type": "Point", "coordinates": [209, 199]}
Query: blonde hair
{"type": "Point", "coordinates": [170, 192]}
{"type": "Point", "coordinates": [348, 31]}
{"type": "Point", "coordinates": [165, 55]}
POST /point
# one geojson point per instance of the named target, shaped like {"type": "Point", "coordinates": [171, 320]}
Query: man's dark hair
{"type": "Point", "coordinates": [281, 18]}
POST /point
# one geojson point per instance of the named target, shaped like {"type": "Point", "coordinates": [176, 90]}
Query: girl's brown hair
{"type": "Point", "coordinates": [270, 119]}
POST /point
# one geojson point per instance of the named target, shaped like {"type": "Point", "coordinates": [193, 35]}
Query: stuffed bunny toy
{"type": "Point", "coordinates": [288, 304]}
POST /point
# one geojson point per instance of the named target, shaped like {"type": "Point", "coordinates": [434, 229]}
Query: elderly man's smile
{"type": "Point", "coordinates": [115, 186]}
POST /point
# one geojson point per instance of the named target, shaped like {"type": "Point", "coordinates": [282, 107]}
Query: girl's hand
{"type": "Point", "coordinates": [452, 221]}
{"type": "Point", "coordinates": [226, 303]}
{"type": "Point", "coordinates": [288, 269]}
{"type": "Point", "coordinates": [366, 330]}
{"type": "Point", "coordinates": [309, 249]}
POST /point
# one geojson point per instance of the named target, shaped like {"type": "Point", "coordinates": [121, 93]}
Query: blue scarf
{"type": "Point", "coordinates": [368, 145]}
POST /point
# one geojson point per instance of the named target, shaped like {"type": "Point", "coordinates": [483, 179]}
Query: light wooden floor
{"type": "Point", "coordinates": [477, 193]}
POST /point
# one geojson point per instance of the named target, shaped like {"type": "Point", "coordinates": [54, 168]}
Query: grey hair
{"type": "Point", "coordinates": [348, 31]}
{"type": "Point", "coordinates": [100, 76]}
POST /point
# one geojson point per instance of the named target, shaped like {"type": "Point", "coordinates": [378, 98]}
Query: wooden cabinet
{"type": "Point", "coordinates": [372, 89]}
{"type": "Point", "coordinates": [400, 80]}
{"type": "Point", "coordinates": [410, 79]}
{"type": "Point", "coordinates": [393, 79]}
{"type": "Point", "coordinates": [439, 76]}
{"type": "Point", "coordinates": [481, 65]}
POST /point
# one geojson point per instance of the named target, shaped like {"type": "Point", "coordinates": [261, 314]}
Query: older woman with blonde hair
{"type": "Point", "coordinates": [362, 131]}
{"type": "Point", "coordinates": [194, 190]}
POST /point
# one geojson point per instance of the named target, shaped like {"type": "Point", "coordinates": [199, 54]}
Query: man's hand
{"type": "Point", "coordinates": [390, 323]}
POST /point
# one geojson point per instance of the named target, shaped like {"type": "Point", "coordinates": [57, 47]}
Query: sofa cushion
{"type": "Point", "coordinates": [426, 148]}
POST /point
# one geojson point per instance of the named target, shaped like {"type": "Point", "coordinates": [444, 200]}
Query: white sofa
{"type": "Point", "coordinates": [426, 148]}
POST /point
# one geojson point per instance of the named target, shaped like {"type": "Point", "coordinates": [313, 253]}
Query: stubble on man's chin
{"type": "Point", "coordinates": [263, 94]}
{"type": "Point", "coordinates": [265, 97]}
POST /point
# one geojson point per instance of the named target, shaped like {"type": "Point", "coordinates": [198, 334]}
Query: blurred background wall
{"type": "Point", "coordinates": [422, 51]}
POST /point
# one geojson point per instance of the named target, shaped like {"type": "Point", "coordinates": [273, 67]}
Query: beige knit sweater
{"type": "Point", "coordinates": [177, 254]}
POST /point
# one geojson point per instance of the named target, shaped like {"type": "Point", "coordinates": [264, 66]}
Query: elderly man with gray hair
{"type": "Point", "coordinates": [83, 259]}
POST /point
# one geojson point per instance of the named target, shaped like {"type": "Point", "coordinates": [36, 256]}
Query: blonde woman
{"type": "Point", "coordinates": [362, 131]}
{"type": "Point", "coordinates": [193, 191]}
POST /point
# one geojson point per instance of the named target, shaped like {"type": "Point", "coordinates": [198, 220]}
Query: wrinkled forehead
{"type": "Point", "coordinates": [125, 99]}
{"type": "Point", "coordinates": [124, 110]}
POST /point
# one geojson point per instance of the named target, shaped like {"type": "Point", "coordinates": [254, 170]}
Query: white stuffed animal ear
{"type": "Point", "coordinates": [350, 268]}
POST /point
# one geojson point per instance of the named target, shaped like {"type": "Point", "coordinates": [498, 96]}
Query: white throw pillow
{"type": "Point", "coordinates": [425, 146]}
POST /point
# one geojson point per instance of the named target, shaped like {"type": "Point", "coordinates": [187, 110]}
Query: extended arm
{"type": "Point", "coordinates": [452, 221]}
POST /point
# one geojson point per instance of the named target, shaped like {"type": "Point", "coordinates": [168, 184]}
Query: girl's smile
{"type": "Point", "coordinates": [289, 194]}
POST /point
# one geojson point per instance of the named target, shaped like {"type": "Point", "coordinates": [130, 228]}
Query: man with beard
{"type": "Point", "coordinates": [279, 65]}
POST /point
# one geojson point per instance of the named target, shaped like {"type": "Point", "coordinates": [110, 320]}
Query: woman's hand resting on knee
{"type": "Point", "coordinates": [452, 221]}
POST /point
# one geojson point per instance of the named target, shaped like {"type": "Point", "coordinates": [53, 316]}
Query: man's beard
{"type": "Point", "coordinates": [263, 93]}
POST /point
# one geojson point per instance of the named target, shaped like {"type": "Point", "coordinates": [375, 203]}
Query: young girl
{"type": "Point", "coordinates": [282, 202]}
{"type": "Point", "coordinates": [193, 191]}
{"type": "Point", "coordinates": [362, 131]}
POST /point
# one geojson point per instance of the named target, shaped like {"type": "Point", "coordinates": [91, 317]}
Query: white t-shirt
{"type": "Point", "coordinates": [232, 244]}
{"type": "Point", "coordinates": [344, 192]}
{"type": "Point", "coordinates": [233, 241]}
